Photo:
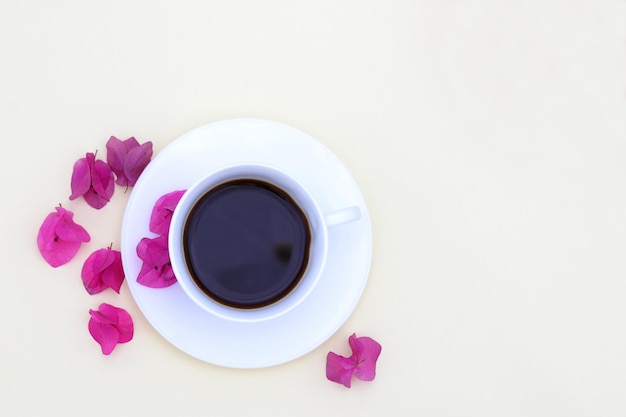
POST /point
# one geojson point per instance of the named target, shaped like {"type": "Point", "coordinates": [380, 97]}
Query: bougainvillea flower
{"type": "Point", "coordinates": [156, 271]}
{"type": "Point", "coordinates": [92, 179]}
{"type": "Point", "coordinates": [162, 211]}
{"type": "Point", "coordinates": [127, 158]}
{"type": "Point", "coordinates": [59, 237]}
{"type": "Point", "coordinates": [101, 270]}
{"type": "Point", "coordinates": [109, 326]}
{"type": "Point", "coordinates": [362, 363]}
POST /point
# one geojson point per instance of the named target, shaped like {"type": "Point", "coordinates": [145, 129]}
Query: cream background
{"type": "Point", "coordinates": [488, 137]}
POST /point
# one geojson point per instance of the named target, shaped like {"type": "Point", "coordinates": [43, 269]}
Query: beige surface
{"type": "Point", "coordinates": [488, 137]}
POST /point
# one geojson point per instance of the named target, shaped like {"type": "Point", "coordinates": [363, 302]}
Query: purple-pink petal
{"type": "Point", "coordinates": [109, 326]}
{"type": "Point", "coordinates": [156, 270]}
{"type": "Point", "coordinates": [128, 159]}
{"type": "Point", "coordinates": [366, 350]}
{"type": "Point", "coordinates": [101, 270]}
{"type": "Point", "coordinates": [116, 154]}
{"type": "Point", "coordinates": [339, 369]}
{"type": "Point", "coordinates": [120, 318]}
{"type": "Point", "coordinates": [361, 364]}
{"type": "Point", "coordinates": [93, 180]}
{"type": "Point", "coordinates": [105, 334]}
{"type": "Point", "coordinates": [153, 251]}
{"type": "Point", "coordinates": [81, 178]}
{"type": "Point", "coordinates": [136, 161]}
{"type": "Point", "coordinates": [60, 252]}
{"type": "Point", "coordinates": [102, 179]}
{"type": "Point", "coordinates": [157, 276]}
{"type": "Point", "coordinates": [91, 280]}
{"type": "Point", "coordinates": [114, 276]}
{"type": "Point", "coordinates": [161, 215]}
{"type": "Point", "coordinates": [66, 229]}
{"type": "Point", "coordinates": [59, 237]}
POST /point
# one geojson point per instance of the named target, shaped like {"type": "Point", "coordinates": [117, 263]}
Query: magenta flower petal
{"type": "Point", "coordinates": [109, 326]}
{"type": "Point", "coordinates": [156, 271]}
{"type": "Point", "coordinates": [102, 180]}
{"type": "Point", "coordinates": [101, 270]}
{"type": "Point", "coordinates": [93, 180]}
{"type": "Point", "coordinates": [114, 275]}
{"type": "Point", "coordinates": [121, 319]}
{"type": "Point", "coordinates": [361, 364]}
{"type": "Point", "coordinates": [137, 160]}
{"type": "Point", "coordinates": [67, 230]}
{"type": "Point", "coordinates": [81, 178]}
{"type": "Point", "coordinates": [127, 158]}
{"type": "Point", "coordinates": [59, 237]}
{"type": "Point", "coordinates": [116, 155]}
{"type": "Point", "coordinates": [162, 211]}
{"type": "Point", "coordinates": [367, 351]}
{"type": "Point", "coordinates": [156, 276]}
{"type": "Point", "coordinates": [153, 251]}
{"type": "Point", "coordinates": [339, 369]}
{"type": "Point", "coordinates": [106, 335]}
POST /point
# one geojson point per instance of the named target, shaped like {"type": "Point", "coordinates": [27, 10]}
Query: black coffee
{"type": "Point", "coordinates": [246, 243]}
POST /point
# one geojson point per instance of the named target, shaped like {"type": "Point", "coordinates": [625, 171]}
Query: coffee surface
{"type": "Point", "coordinates": [246, 243]}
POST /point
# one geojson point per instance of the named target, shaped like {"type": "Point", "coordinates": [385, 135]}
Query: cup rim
{"type": "Point", "coordinates": [318, 247]}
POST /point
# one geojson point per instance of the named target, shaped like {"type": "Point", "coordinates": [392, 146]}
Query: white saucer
{"type": "Point", "coordinates": [272, 342]}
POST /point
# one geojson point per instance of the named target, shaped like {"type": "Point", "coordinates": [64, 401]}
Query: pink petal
{"type": "Point", "coordinates": [156, 271]}
{"type": "Point", "coordinates": [60, 252]}
{"type": "Point", "coordinates": [136, 161]}
{"type": "Point", "coordinates": [93, 180]}
{"type": "Point", "coordinates": [47, 233]}
{"type": "Point", "coordinates": [116, 155]}
{"type": "Point", "coordinates": [102, 180]}
{"type": "Point", "coordinates": [128, 159]}
{"type": "Point", "coordinates": [125, 326]}
{"type": "Point", "coordinates": [366, 350]}
{"type": "Point", "coordinates": [361, 364]}
{"type": "Point", "coordinates": [102, 185]}
{"type": "Point", "coordinates": [81, 178]}
{"type": "Point", "coordinates": [113, 275]}
{"type": "Point", "coordinates": [66, 229]}
{"type": "Point", "coordinates": [156, 276]}
{"type": "Point", "coordinates": [105, 334]}
{"type": "Point", "coordinates": [153, 251]}
{"type": "Point", "coordinates": [102, 270]}
{"type": "Point", "coordinates": [339, 369]}
{"type": "Point", "coordinates": [91, 279]}
{"type": "Point", "coordinates": [51, 238]}
{"type": "Point", "coordinates": [109, 326]}
{"type": "Point", "coordinates": [162, 211]}
{"type": "Point", "coordinates": [120, 318]}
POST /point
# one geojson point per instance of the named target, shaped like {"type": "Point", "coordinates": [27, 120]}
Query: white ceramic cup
{"type": "Point", "coordinates": [319, 224]}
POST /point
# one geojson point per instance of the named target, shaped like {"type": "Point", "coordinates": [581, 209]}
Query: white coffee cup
{"type": "Point", "coordinates": [318, 222]}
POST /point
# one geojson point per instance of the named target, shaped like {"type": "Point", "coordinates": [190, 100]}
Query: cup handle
{"type": "Point", "coordinates": [343, 216]}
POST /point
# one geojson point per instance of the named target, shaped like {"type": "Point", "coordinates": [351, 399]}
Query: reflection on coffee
{"type": "Point", "coordinates": [246, 243]}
